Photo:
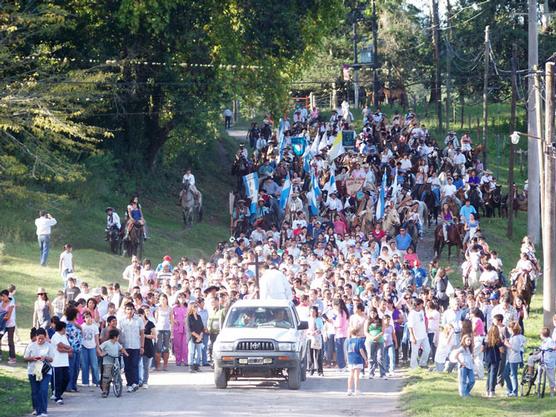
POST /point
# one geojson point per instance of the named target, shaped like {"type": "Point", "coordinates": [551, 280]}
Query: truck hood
{"type": "Point", "coordinates": [230, 334]}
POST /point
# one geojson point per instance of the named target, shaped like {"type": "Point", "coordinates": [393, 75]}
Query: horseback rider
{"type": "Point", "coordinates": [240, 214]}
{"type": "Point", "coordinates": [134, 215]}
{"type": "Point", "coordinates": [448, 219]}
{"type": "Point", "coordinates": [451, 139]}
{"type": "Point", "coordinates": [449, 191]}
{"type": "Point", "coordinates": [112, 221]}
{"type": "Point", "coordinates": [188, 178]}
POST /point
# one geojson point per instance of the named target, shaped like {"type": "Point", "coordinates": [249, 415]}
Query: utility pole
{"type": "Point", "coordinates": [355, 63]}
{"type": "Point", "coordinates": [437, 81]}
{"type": "Point", "coordinates": [448, 67]}
{"type": "Point", "coordinates": [509, 232]}
{"type": "Point", "coordinates": [533, 156]}
{"type": "Point", "coordinates": [539, 143]}
{"type": "Point", "coordinates": [374, 28]}
{"type": "Point", "coordinates": [485, 95]}
{"type": "Point", "coordinates": [549, 213]}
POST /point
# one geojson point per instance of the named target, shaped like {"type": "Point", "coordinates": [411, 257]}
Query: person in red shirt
{"type": "Point", "coordinates": [340, 227]}
{"type": "Point", "coordinates": [378, 233]}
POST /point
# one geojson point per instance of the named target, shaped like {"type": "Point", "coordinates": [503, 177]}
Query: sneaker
{"type": "Point", "coordinates": [53, 397]}
{"type": "Point", "coordinates": [135, 387]}
{"type": "Point", "coordinates": [12, 361]}
{"type": "Point", "coordinates": [384, 376]}
{"type": "Point", "coordinates": [349, 393]}
{"type": "Point", "coordinates": [371, 376]}
{"type": "Point", "coordinates": [34, 413]}
{"type": "Point", "coordinates": [60, 402]}
{"type": "Point", "coordinates": [130, 389]}
{"type": "Point", "coordinates": [145, 386]}
{"type": "Point", "coordinates": [43, 415]}
{"type": "Point", "coordinates": [356, 392]}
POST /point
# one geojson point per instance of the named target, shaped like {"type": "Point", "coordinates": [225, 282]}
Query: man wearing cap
{"type": "Point", "coordinates": [44, 225]}
{"type": "Point", "coordinates": [112, 221]}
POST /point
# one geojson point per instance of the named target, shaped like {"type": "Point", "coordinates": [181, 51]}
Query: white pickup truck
{"type": "Point", "coordinates": [261, 339]}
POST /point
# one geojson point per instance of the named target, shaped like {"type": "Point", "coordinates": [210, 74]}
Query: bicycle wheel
{"type": "Point", "coordinates": [117, 384]}
{"type": "Point", "coordinates": [541, 385]}
{"type": "Point", "coordinates": [527, 382]}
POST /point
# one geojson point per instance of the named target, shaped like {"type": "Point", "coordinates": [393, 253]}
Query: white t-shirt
{"type": "Point", "coordinates": [34, 349]}
{"type": "Point", "coordinates": [44, 225]}
{"type": "Point", "coordinates": [449, 190]}
{"type": "Point", "coordinates": [59, 358]}
{"type": "Point", "coordinates": [66, 259]}
{"type": "Point", "coordinates": [89, 333]}
{"type": "Point", "coordinates": [416, 321]}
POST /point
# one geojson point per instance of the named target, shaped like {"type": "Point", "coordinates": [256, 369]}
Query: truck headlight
{"type": "Point", "coordinates": [286, 346]}
{"type": "Point", "coordinates": [224, 346]}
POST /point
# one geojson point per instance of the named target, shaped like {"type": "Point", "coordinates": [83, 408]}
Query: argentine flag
{"type": "Point", "coordinates": [313, 194]}
{"type": "Point", "coordinates": [395, 187]}
{"type": "Point", "coordinates": [331, 184]}
{"type": "Point", "coordinates": [285, 194]}
{"type": "Point", "coordinates": [251, 184]}
{"type": "Point", "coordinates": [281, 144]}
{"type": "Point", "coordinates": [380, 202]}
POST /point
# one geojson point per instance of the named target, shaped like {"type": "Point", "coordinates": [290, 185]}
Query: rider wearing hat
{"type": "Point", "coordinates": [112, 220]}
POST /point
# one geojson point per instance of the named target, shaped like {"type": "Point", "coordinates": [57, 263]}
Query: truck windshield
{"type": "Point", "coordinates": [260, 317]}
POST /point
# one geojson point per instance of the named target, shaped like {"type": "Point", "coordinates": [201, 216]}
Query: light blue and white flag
{"type": "Point", "coordinates": [281, 145]}
{"type": "Point", "coordinates": [285, 194]}
{"type": "Point", "coordinates": [381, 195]}
{"type": "Point", "coordinates": [313, 195]}
{"type": "Point", "coordinates": [307, 158]}
{"type": "Point", "coordinates": [395, 187]}
{"type": "Point", "coordinates": [331, 184]}
{"type": "Point", "coordinates": [251, 184]}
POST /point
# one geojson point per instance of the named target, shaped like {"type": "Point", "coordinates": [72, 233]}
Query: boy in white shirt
{"type": "Point", "coordinates": [60, 362]}
{"type": "Point", "coordinates": [66, 264]}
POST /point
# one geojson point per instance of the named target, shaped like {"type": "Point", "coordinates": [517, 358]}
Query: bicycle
{"type": "Point", "coordinates": [538, 378]}
{"type": "Point", "coordinates": [116, 377]}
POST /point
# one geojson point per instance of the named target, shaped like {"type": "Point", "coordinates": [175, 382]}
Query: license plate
{"type": "Point", "coordinates": [254, 361]}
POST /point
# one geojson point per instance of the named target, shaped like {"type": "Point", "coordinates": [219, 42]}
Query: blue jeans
{"type": "Point", "coordinates": [39, 393]}
{"type": "Point", "coordinates": [339, 343]}
{"type": "Point", "coordinates": [205, 348]}
{"type": "Point", "coordinates": [44, 246]}
{"type": "Point", "coordinates": [74, 366]}
{"type": "Point", "coordinates": [376, 357]}
{"type": "Point", "coordinates": [329, 349]}
{"type": "Point", "coordinates": [131, 367]}
{"type": "Point", "coordinates": [195, 353]}
{"type": "Point", "coordinates": [491, 378]}
{"type": "Point", "coordinates": [389, 358]}
{"type": "Point", "coordinates": [144, 365]}
{"type": "Point", "coordinates": [510, 377]}
{"type": "Point", "coordinates": [466, 381]}
{"type": "Point", "coordinates": [89, 361]}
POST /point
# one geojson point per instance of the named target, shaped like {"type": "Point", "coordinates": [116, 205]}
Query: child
{"type": "Point", "coordinates": [548, 346]}
{"type": "Point", "coordinates": [390, 344]}
{"type": "Point", "coordinates": [108, 351]}
{"type": "Point", "coordinates": [357, 360]}
{"type": "Point", "coordinates": [60, 363]}
{"type": "Point", "coordinates": [89, 349]}
{"type": "Point", "coordinates": [59, 304]}
{"type": "Point", "coordinates": [445, 345]}
{"type": "Point", "coordinates": [514, 345]}
{"type": "Point", "coordinates": [464, 356]}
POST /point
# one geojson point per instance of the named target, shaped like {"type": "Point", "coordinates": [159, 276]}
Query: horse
{"type": "Point", "coordinates": [455, 238]}
{"type": "Point", "coordinates": [475, 198]}
{"type": "Point", "coordinates": [430, 201]}
{"type": "Point", "coordinates": [134, 241]}
{"type": "Point", "coordinates": [391, 222]}
{"type": "Point", "coordinates": [114, 240]}
{"type": "Point", "coordinates": [493, 201]}
{"type": "Point", "coordinates": [191, 204]}
{"type": "Point", "coordinates": [524, 286]}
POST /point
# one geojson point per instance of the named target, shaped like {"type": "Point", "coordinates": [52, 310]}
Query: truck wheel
{"type": "Point", "coordinates": [304, 369]}
{"type": "Point", "coordinates": [294, 377]}
{"type": "Point", "coordinates": [220, 377]}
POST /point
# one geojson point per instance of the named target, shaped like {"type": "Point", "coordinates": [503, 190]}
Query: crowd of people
{"type": "Point", "coordinates": [340, 222]}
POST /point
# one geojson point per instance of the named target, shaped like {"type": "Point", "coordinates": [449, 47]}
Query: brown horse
{"type": "Point", "coordinates": [455, 238]}
{"type": "Point", "coordinates": [524, 287]}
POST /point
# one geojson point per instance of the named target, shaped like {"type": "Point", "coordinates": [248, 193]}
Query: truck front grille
{"type": "Point", "coordinates": [255, 345]}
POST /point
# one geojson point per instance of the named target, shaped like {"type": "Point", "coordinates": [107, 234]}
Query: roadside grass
{"type": "Point", "coordinates": [15, 397]}
{"type": "Point", "coordinates": [433, 394]}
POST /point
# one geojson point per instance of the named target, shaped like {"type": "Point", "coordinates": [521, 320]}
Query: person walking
{"type": "Point", "coordinates": [60, 362]}
{"type": "Point", "coordinates": [418, 334]}
{"type": "Point", "coordinates": [515, 346]}
{"type": "Point", "coordinates": [75, 339]}
{"type": "Point", "coordinates": [133, 340]}
{"type": "Point", "coordinates": [179, 344]}
{"type": "Point", "coordinates": [38, 356]}
{"type": "Point", "coordinates": [493, 347]}
{"type": "Point", "coordinates": [163, 320]}
{"type": "Point", "coordinates": [228, 118]}
{"type": "Point", "coordinates": [43, 310]}
{"type": "Point", "coordinates": [314, 333]}
{"type": "Point", "coordinates": [66, 264]}
{"type": "Point", "coordinates": [357, 360]}
{"type": "Point", "coordinates": [44, 225]}
{"type": "Point", "coordinates": [464, 356]}
{"type": "Point", "coordinates": [89, 361]}
{"type": "Point", "coordinates": [196, 328]}
{"type": "Point", "coordinates": [148, 351]}
{"type": "Point", "coordinates": [7, 324]}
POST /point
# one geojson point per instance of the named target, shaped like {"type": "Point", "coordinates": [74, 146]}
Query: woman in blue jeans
{"type": "Point", "coordinates": [340, 320]}
{"type": "Point", "coordinates": [196, 330]}
{"type": "Point", "coordinates": [493, 348]}
{"type": "Point", "coordinates": [37, 354]}
{"type": "Point", "coordinates": [464, 357]}
{"type": "Point", "coordinates": [514, 346]}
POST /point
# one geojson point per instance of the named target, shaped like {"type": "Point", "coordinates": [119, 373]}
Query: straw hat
{"type": "Point", "coordinates": [41, 290]}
